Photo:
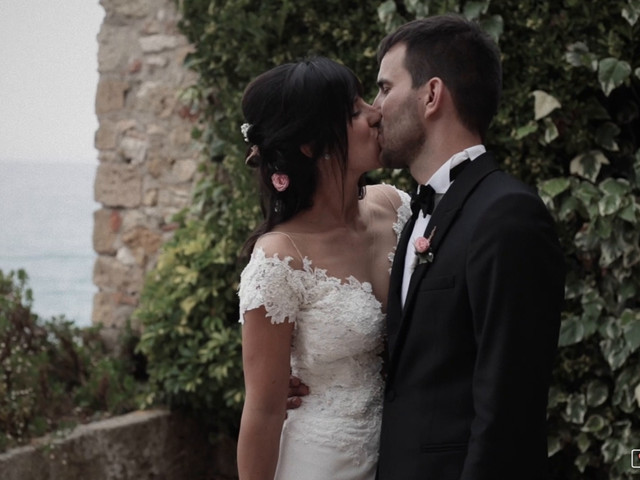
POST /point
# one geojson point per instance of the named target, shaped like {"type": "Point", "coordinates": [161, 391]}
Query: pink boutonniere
{"type": "Point", "coordinates": [280, 181]}
{"type": "Point", "coordinates": [423, 248]}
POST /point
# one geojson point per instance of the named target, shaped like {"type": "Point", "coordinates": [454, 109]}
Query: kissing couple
{"type": "Point", "coordinates": [423, 327]}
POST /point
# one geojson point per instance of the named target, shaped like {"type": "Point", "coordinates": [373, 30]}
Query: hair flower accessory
{"type": "Point", "coordinates": [423, 248]}
{"type": "Point", "coordinates": [280, 181]}
{"type": "Point", "coordinates": [244, 129]}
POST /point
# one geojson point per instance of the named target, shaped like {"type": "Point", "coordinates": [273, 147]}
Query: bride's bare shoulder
{"type": "Point", "coordinates": [280, 244]}
{"type": "Point", "coordinates": [387, 197]}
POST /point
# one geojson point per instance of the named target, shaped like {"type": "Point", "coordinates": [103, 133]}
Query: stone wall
{"type": "Point", "coordinates": [140, 445]}
{"type": "Point", "coordinates": [147, 159]}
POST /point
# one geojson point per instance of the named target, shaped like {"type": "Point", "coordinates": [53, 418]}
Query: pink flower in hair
{"type": "Point", "coordinates": [280, 181]}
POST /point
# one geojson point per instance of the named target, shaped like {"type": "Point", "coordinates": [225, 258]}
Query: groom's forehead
{"type": "Point", "coordinates": [392, 64]}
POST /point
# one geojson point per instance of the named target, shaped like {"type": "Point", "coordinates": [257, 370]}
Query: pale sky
{"type": "Point", "coordinates": [48, 78]}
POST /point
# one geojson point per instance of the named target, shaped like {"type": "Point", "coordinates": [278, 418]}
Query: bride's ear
{"type": "Point", "coordinates": [306, 150]}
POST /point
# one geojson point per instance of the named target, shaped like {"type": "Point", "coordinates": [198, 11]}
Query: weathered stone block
{"type": "Point", "coordinates": [157, 164]}
{"type": "Point", "coordinates": [139, 218]}
{"type": "Point", "coordinates": [184, 170]}
{"type": "Point", "coordinates": [104, 237]}
{"type": "Point", "coordinates": [115, 221]}
{"type": "Point", "coordinates": [150, 197]}
{"type": "Point", "coordinates": [114, 47]}
{"type": "Point", "coordinates": [133, 149]}
{"type": "Point", "coordinates": [107, 156]}
{"type": "Point", "coordinates": [118, 185]}
{"type": "Point", "coordinates": [135, 66]}
{"type": "Point", "coordinates": [180, 138]}
{"type": "Point", "coordinates": [144, 238]}
{"type": "Point", "coordinates": [110, 95]}
{"type": "Point", "coordinates": [177, 196]}
{"type": "Point", "coordinates": [102, 312]}
{"type": "Point", "coordinates": [125, 125]}
{"type": "Point", "coordinates": [157, 61]}
{"type": "Point", "coordinates": [156, 98]}
{"type": "Point", "coordinates": [108, 312]}
{"type": "Point", "coordinates": [156, 130]}
{"type": "Point", "coordinates": [158, 43]}
{"type": "Point", "coordinates": [129, 8]}
{"type": "Point", "coordinates": [126, 257]}
{"type": "Point", "coordinates": [111, 275]}
{"type": "Point", "coordinates": [106, 136]}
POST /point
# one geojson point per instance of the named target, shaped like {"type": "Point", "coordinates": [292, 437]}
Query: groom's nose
{"type": "Point", "coordinates": [376, 102]}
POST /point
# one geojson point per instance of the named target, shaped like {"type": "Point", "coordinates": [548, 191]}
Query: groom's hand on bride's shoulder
{"type": "Point", "coordinates": [297, 389]}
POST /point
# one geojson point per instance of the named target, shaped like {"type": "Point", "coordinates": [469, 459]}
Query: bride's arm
{"type": "Point", "coordinates": [265, 354]}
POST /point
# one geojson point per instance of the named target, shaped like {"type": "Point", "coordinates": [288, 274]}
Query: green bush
{"type": "Point", "coordinates": [595, 401]}
{"type": "Point", "coordinates": [189, 307]}
{"type": "Point", "coordinates": [569, 122]}
{"type": "Point", "coordinates": [53, 374]}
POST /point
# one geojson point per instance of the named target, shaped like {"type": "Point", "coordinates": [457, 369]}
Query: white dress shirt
{"type": "Point", "coordinates": [440, 183]}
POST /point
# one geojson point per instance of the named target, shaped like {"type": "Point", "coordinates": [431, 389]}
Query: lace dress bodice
{"type": "Point", "coordinates": [336, 347]}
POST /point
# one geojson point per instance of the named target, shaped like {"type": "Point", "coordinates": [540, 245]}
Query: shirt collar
{"type": "Point", "coordinates": [440, 180]}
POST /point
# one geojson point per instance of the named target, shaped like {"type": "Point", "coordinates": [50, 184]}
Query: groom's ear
{"type": "Point", "coordinates": [433, 94]}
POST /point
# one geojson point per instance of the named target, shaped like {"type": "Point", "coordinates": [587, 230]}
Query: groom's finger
{"type": "Point", "coordinates": [297, 389]}
{"type": "Point", "coordinates": [293, 403]}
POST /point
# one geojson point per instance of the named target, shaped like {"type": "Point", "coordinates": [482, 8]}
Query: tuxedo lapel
{"type": "Point", "coordinates": [440, 223]}
{"type": "Point", "coordinates": [446, 213]}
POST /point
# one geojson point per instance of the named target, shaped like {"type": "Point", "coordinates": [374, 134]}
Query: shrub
{"type": "Point", "coordinates": [52, 373]}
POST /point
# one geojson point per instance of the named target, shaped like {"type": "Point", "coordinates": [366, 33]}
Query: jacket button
{"type": "Point", "coordinates": [391, 395]}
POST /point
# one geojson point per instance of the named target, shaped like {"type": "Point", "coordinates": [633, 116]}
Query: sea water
{"type": "Point", "coordinates": [46, 224]}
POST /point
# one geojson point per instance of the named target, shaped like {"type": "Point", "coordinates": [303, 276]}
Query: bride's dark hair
{"type": "Point", "coordinates": [309, 103]}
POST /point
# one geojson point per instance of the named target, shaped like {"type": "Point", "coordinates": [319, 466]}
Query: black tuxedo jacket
{"type": "Point", "coordinates": [471, 352]}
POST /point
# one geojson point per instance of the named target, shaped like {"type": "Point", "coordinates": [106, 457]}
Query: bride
{"type": "Point", "coordinates": [313, 296]}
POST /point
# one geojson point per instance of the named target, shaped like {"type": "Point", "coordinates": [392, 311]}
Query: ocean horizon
{"type": "Point", "coordinates": [46, 227]}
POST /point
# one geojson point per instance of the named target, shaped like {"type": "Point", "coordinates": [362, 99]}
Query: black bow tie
{"type": "Point", "coordinates": [423, 201]}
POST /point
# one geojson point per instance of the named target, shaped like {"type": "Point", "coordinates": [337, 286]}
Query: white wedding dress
{"type": "Point", "coordinates": [337, 342]}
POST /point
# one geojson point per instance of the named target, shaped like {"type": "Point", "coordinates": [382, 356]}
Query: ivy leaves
{"type": "Point", "coordinates": [600, 293]}
{"type": "Point", "coordinates": [612, 72]}
{"type": "Point", "coordinates": [595, 401]}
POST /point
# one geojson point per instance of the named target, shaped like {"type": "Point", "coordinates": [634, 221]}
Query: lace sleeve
{"type": "Point", "coordinates": [272, 283]}
{"type": "Point", "coordinates": [403, 212]}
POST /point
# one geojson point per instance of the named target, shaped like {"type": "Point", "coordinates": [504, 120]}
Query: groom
{"type": "Point", "coordinates": [477, 283]}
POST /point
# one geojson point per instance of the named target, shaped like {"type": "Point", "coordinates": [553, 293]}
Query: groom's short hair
{"type": "Point", "coordinates": [459, 52]}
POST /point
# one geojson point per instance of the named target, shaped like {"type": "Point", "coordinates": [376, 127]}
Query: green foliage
{"type": "Point", "coordinates": [595, 402]}
{"type": "Point", "coordinates": [569, 122]}
{"type": "Point", "coordinates": [52, 374]}
{"type": "Point", "coordinates": [189, 307]}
